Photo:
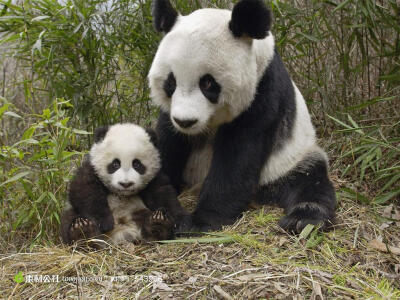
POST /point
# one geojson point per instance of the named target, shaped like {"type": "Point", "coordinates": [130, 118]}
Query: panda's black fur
{"type": "Point", "coordinates": [154, 207]}
{"type": "Point", "coordinates": [245, 144]}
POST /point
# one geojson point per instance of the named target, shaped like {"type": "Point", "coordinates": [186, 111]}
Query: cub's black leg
{"type": "Point", "coordinates": [75, 227]}
{"type": "Point", "coordinates": [160, 193]}
{"type": "Point", "coordinates": [306, 194]}
{"type": "Point", "coordinates": [88, 197]}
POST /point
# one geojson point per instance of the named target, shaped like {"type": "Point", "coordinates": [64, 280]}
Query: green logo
{"type": "Point", "coordinates": [19, 278]}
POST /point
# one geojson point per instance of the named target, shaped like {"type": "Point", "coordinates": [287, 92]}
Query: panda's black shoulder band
{"type": "Point", "coordinates": [250, 18]}
{"type": "Point", "coordinates": [164, 15]}
{"type": "Point", "coordinates": [153, 136]}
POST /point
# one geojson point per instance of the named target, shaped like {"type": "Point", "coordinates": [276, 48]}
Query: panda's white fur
{"type": "Point", "coordinates": [301, 144]}
{"type": "Point", "coordinates": [201, 43]}
{"type": "Point", "coordinates": [122, 209]}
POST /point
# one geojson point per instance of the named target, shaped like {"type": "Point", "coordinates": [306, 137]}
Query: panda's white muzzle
{"type": "Point", "coordinates": [190, 112]}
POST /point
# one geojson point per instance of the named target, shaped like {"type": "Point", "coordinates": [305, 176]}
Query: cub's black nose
{"type": "Point", "coordinates": [185, 123]}
{"type": "Point", "coordinates": [126, 184]}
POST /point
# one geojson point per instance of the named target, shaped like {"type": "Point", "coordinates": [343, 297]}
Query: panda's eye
{"type": "Point", "coordinates": [138, 166]}
{"type": "Point", "coordinates": [210, 88]}
{"type": "Point", "coordinates": [114, 166]}
{"type": "Point", "coordinates": [170, 85]}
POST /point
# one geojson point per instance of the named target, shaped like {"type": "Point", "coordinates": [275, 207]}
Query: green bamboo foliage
{"type": "Point", "coordinates": [345, 57]}
{"type": "Point", "coordinates": [94, 53]}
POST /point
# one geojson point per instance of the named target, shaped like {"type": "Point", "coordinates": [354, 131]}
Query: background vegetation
{"type": "Point", "coordinates": [70, 66]}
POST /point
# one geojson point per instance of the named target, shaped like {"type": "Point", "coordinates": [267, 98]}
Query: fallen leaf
{"type": "Point", "coordinates": [283, 240]}
{"type": "Point", "coordinates": [250, 277]}
{"type": "Point", "coordinates": [385, 225]}
{"type": "Point", "coordinates": [306, 231]}
{"type": "Point", "coordinates": [161, 286]}
{"type": "Point", "coordinates": [387, 212]}
{"type": "Point", "coordinates": [317, 292]}
{"type": "Point", "coordinates": [396, 215]}
{"type": "Point", "coordinates": [191, 280]}
{"type": "Point", "coordinates": [375, 244]}
{"type": "Point", "coordinates": [281, 289]}
{"type": "Point", "coordinates": [222, 293]}
{"type": "Point", "coordinates": [391, 212]}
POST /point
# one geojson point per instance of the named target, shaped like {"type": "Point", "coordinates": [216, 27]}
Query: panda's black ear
{"type": "Point", "coordinates": [250, 18]}
{"type": "Point", "coordinates": [164, 15]}
{"type": "Point", "coordinates": [100, 133]}
{"type": "Point", "coordinates": [153, 136]}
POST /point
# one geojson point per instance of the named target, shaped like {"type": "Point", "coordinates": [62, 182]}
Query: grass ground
{"type": "Point", "coordinates": [253, 258]}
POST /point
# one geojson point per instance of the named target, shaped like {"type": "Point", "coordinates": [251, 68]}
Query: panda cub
{"type": "Point", "coordinates": [119, 190]}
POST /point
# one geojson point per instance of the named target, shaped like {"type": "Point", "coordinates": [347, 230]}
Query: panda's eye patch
{"type": "Point", "coordinates": [138, 166]}
{"type": "Point", "coordinates": [210, 88]}
{"type": "Point", "coordinates": [170, 85]}
{"type": "Point", "coordinates": [114, 166]}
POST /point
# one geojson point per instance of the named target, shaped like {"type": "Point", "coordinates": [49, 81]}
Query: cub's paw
{"type": "Point", "coordinates": [307, 213]}
{"type": "Point", "coordinates": [159, 226]}
{"type": "Point", "coordinates": [160, 217]}
{"type": "Point", "coordinates": [82, 229]}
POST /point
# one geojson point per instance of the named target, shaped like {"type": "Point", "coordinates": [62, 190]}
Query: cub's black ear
{"type": "Point", "coordinates": [250, 18]}
{"type": "Point", "coordinates": [164, 15]}
{"type": "Point", "coordinates": [100, 133]}
{"type": "Point", "coordinates": [153, 136]}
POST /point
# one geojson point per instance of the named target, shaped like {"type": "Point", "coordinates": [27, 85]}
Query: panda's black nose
{"type": "Point", "coordinates": [185, 123]}
{"type": "Point", "coordinates": [125, 184]}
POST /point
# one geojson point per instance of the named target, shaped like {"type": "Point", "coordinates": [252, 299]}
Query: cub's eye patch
{"type": "Point", "coordinates": [210, 88]}
{"type": "Point", "coordinates": [138, 166]}
{"type": "Point", "coordinates": [170, 85]}
{"type": "Point", "coordinates": [114, 166]}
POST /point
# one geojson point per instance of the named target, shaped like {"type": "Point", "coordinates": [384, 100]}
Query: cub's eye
{"type": "Point", "coordinates": [170, 85]}
{"type": "Point", "coordinates": [210, 88]}
{"type": "Point", "coordinates": [116, 163]}
{"type": "Point", "coordinates": [138, 166]}
{"type": "Point", "coordinates": [114, 166]}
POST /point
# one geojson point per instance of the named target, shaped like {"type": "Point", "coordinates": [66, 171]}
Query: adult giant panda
{"type": "Point", "coordinates": [233, 121]}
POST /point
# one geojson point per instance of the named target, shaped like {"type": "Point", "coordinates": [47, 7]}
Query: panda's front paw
{"type": "Point", "coordinates": [82, 229]}
{"type": "Point", "coordinates": [307, 213]}
{"type": "Point", "coordinates": [160, 217]}
{"type": "Point", "coordinates": [159, 226]}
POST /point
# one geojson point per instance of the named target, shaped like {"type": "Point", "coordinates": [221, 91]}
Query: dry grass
{"type": "Point", "coordinates": [260, 261]}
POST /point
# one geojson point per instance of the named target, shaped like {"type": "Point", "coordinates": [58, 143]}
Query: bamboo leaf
{"type": "Point", "coordinates": [12, 114]}
{"type": "Point", "coordinates": [341, 5]}
{"type": "Point", "coordinates": [15, 178]}
{"type": "Point", "coordinates": [220, 239]}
